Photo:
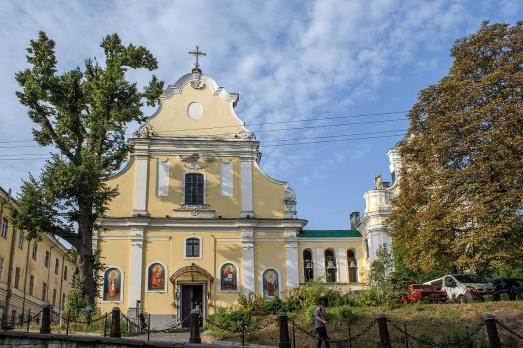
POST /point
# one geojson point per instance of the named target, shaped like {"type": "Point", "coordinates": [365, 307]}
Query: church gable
{"type": "Point", "coordinates": [196, 106]}
{"type": "Point", "coordinates": [194, 158]}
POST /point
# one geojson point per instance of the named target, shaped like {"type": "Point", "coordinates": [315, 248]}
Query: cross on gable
{"type": "Point", "coordinates": [197, 53]}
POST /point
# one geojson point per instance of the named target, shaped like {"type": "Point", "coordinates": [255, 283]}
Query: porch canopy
{"type": "Point", "coordinates": [193, 269]}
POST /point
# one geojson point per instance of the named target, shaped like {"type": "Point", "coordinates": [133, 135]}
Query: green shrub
{"type": "Point", "coordinates": [309, 314]}
{"type": "Point", "coordinates": [503, 297]}
{"type": "Point", "coordinates": [419, 306]}
{"type": "Point", "coordinates": [345, 313]}
{"type": "Point", "coordinates": [489, 298]}
{"type": "Point", "coordinates": [368, 298]}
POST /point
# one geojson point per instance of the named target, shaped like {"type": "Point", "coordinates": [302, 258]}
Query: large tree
{"type": "Point", "coordinates": [461, 200]}
{"type": "Point", "coordinates": [82, 115]}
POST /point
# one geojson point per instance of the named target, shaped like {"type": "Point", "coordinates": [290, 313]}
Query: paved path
{"type": "Point", "coordinates": [182, 337]}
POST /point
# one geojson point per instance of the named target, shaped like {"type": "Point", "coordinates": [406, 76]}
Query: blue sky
{"type": "Point", "coordinates": [289, 60]}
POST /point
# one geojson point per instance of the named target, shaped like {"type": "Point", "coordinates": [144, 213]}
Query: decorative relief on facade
{"type": "Point", "coordinates": [197, 82]}
{"type": "Point", "coordinates": [290, 203]}
{"type": "Point", "coordinates": [196, 162]}
{"type": "Point", "coordinates": [245, 134]}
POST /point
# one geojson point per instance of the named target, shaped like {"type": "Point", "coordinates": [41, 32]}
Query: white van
{"type": "Point", "coordinates": [463, 287]}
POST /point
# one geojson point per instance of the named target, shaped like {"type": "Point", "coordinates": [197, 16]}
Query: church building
{"type": "Point", "coordinates": [197, 222]}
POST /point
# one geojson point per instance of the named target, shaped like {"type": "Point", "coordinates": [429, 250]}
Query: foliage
{"type": "Point", "coordinates": [386, 286]}
{"type": "Point", "coordinates": [82, 115]}
{"type": "Point", "coordinates": [461, 188]}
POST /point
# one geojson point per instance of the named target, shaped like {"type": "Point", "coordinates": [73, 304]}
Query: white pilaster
{"type": "Point", "coordinates": [319, 264]}
{"type": "Point", "coordinates": [247, 273]}
{"type": "Point", "coordinates": [141, 157]}
{"type": "Point", "coordinates": [162, 178]}
{"type": "Point", "coordinates": [136, 268]}
{"type": "Point", "coordinates": [246, 186]}
{"type": "Point", "coordinates": [293, 280]}
{"type": "Point", "coordinates": [342, 265]}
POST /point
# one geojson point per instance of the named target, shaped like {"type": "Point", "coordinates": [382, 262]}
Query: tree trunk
{"type": "Point", "coordinates": [85, 260]}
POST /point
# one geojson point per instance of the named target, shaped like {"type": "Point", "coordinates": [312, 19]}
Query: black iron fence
{"type": "Point", "coordinates": [117, 324]}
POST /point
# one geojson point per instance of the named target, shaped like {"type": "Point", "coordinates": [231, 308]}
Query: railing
{"type": "Point", "coordinates": [287, 338]}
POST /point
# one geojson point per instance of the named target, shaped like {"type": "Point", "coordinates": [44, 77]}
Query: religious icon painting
{"type": "Point", "coordinates": [270, 283]}
{"type": "Point", "coordinates": [156, 277]}
{"type": "Point", "coordinates": [228, 276]}
{"type": "Point", "coordinates": [112, 285]}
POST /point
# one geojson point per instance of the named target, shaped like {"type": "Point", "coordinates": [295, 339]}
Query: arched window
{"type": "Point", "coordinates": [330, 266]}
{"type": "Point", "coordinates": [228, 275]}
{"type": "Point", "coordinates": [308, 266]}
{"type": "Point", "coordinates": [194, 189]}
{"type": "Point", "coordinates": [271, 283]}
{"type": "Point", "coordinates": [112, 284]}
{"type": "Point", "coordinates": [156, 277]}
{"type": "Point", "coordinates": [353, 266]}
{"type": "Point", "coordinates": [192, 247]}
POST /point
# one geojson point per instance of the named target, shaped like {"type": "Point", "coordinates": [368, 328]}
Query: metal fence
{"type": "Point", "coordinates": [117, 324]}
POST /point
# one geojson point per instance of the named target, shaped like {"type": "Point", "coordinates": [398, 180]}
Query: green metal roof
{"type": "Point", "coordinates": [328, 233]}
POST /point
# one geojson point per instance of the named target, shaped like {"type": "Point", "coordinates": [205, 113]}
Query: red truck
{"type": "Point", "coordinates": [424, 292]}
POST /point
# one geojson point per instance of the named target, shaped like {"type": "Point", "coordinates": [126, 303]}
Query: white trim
{"type": "Point", "coordinates": [248, 266]}
{"type": "Point", "coordinates": [131, 238]}
{"type": "Point", "coordinates": [136, 269]}
{"type": "Point", "coordinates": [204, 185]}
{"type": "Point", "coordinates": [166, 275]}
{"type": "Point", "coordinates": [333, 239]}
{"type": "Point", "coordinates": [319, 263]}
{"type": "Point", "coordinates": [237, 276]}
{"type": "Point", "coordinates": [279, 282]}
{"type": "Point", "coordinates": [162, 177]}
{"type": "Point", "coordinates": [226, 178]}
{"type": "Point", "coordinates": [122, 285]}
{"type": "Point", "coordinates": [205, 224]}
{"type": "Point", "coordinates": [342, 266]}
{"type": "Point", "coordinates": [246, 188]}
{"type": "Point", "coordinates": [184, 251]}
{"type": "Point", "coordinates": [292, 264]}
{"type": "Point", "coordinates": [140, 185]}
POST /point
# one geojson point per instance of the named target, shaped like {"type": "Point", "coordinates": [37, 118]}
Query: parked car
{"type": "Point", "coordinates": [424, 292]}
{"type": "Point", "coordinates": [463, 287]}
{"type": "Point", "coordinates": [513, 287]}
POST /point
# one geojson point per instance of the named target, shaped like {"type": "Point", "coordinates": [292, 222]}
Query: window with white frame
{"type": "Point", "coordinates": [5, 224]}
{"type": "Point", "coordinates": [21, 240]}
{"type": "Point", "coordinates": [1, 268]}
{"type": "Point", "coordinates": [194, 189]}
{"type": "Point", "coordinates": [192, 247]}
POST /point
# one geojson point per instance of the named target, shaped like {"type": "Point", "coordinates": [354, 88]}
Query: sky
{"type": "Point", "coordinates": [288, 60]}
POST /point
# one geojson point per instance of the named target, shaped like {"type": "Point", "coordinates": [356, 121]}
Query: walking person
{"type": "Point", "coordinates": [320, 325]}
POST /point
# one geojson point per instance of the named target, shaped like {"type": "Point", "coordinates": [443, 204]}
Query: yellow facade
{"type": "Point", "coordinates": [197, 222]}
{"type": "Point", "coordinates": [27, 280]}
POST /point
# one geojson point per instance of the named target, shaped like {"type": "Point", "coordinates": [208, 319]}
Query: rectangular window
{"type": "Point", "coordinates": [21, 240]}
{"type": "Point", "coordinates": [65, 272]}
{"type": "Point", "coordinates": [35, 251]}
{"type": "Point", "coordinates": [31, 285]}
{"type": "Point", "coordinates": [5, 224]}
{"type": "Point", "coordinates": [44, 291]}
{"type": "Point", "coordinates": [194, 189]}
{"type": "Point", "coordinates": [1, 268]}
{"type": "Point", "coordinates": [13, 317]}
{"type": "Point", "coordinates": [17, 277]}
{"type": "Point", "coordinates": [56, 266]}
{"type": "Point", "coordinates": [192, 248]}
{"type": "Point", "coordinates": [46, 260]}
{"type": "Point", "coordinates": [54, 297]}
{"type": "Point", "coordinates": [162, 177]}
{"type": "Point", "coordinates": [63, 301]}
{"type": "Point", "coordinates": [226, 178]}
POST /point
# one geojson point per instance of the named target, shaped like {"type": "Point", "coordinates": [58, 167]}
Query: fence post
{"type": "Point", "coordinates": [45, 328]}
{"type": "Point", "coordinates": [195, 327]}
{"type": "Point", "coordinates": [293, 334]}
{"type": "Point", "coordinates": [148, 326]}
{"type": "Point", "coordinates": [384, 331]}
{"type": "Point", "coordinates": [406, 336]}
{"type": "Point", "coordinates": [350, 335]}
{"type": "Point", "coordinates": [492, 331]}
{"type": "Point", "coordinates": [284, 330]}
{"type": "Point", "coordinates": [28, 319]}
{"type": "Point", "coordinates": [115, 323]}
{"type": "Point", "coordinates": [105, 325]}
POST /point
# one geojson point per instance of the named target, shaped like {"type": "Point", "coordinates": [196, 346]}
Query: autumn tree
{"type": "Point", "coordinates": [82, 116]}
{"type": "Point", "coordinates": [461, 200]}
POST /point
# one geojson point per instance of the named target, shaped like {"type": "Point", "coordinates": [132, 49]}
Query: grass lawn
{"type": "Point", "coordinates": [436, 323]}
